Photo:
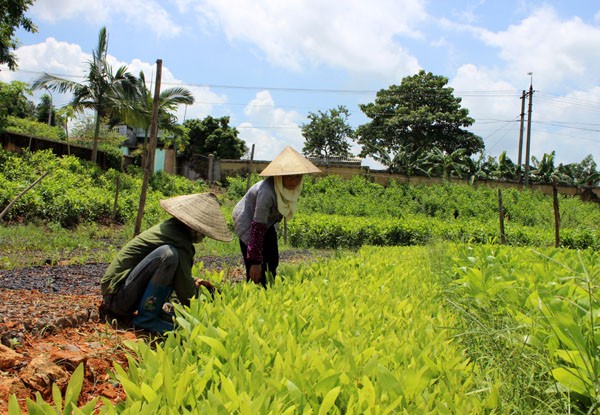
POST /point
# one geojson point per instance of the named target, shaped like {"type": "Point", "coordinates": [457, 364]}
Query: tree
{"type": "Point", "coordinates": [506, 168]}
{"type": "Point", "coordinates": [439, 163]}
{"type": "Point", "coordinates": [417, 116]}
{"type": "Point", "coordinates": [327, 133]}
{"type": "Point", "coordinates": [213, 136]}
{"type": "Point", "coordinates": [14, 101]}
{"type": "Point", "coordinates": [12, 17]}
{"type": "Point", "coordinates": [105, 92]}
{"type": "Point", "coordinates": [63, 116]}
{"type": "Point", "coordinates": [45, 111]}
{"type": "Point", "coordinates": [140, 113]}
{"type": "Point", "coordinates": [484, 168]}
{"type": "Point", "coordinates": [543, 170]}
{"type": "Point", "coordinates": [579, 174]}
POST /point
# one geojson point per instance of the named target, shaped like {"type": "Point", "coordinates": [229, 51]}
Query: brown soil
{"type": "Point", "coordinates": [49, 324]}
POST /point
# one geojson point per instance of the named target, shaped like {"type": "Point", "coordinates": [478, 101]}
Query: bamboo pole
{"type": "Point", "coordinates": [7, 208]}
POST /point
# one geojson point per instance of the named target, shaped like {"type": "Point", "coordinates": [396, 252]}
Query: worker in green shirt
{"type": "Point", "coordinates": [145, 272]}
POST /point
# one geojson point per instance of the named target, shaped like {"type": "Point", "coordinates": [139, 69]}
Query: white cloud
{"type": "Point", "coordinates": [269, 128]}
{"type": "Point", "coordinates": [355, 35]}
{"type": "Point", "coordinates": [560, 53]}
{"type": "Point", "coordinates": [146, 14]}
{"type": "Point", "coordinates": [68, 61]}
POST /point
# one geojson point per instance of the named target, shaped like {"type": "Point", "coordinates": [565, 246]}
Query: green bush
{"type": "Point", "coordinates": [77, 191]}
{"type": "Point", "coordinates": [34, 128]}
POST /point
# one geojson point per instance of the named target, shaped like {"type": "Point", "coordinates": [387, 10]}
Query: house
{"type": "Point", "coordinates": [164, 158]}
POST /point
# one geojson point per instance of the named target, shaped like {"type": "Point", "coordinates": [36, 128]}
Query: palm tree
{"type": "Point", "coordinates": [99, 92]}
{"type": "Point", "coordinates": [440, 163]}
{"type": "Point", "coordinates": [139, 114]}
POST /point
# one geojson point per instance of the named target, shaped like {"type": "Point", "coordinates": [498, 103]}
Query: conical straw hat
{"type": "Point", "coordinates": [200, 212]}
{"type": "Point", "coordinates": [288, 162]}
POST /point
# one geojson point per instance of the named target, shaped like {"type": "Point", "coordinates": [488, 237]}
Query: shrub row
{"type": "Point", "coordinates": [334, 231]}
{"type": "Point", "coordinates": [76, 191]}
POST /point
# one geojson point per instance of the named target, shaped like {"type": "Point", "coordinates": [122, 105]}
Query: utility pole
{"type": "Point", "coordinates": [528, 144]}
{"type": "Point", "coordinates": [519, 165]}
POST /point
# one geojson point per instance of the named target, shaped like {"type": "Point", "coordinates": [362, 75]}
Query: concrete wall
{"type": "Point", "coordinates": [242, 167]}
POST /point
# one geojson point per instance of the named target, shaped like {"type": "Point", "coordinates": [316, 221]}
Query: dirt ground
{"type": "Point", "coordinates": [49, 324]}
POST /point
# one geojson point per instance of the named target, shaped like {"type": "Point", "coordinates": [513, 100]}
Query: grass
{"type": "Point", "coordinates": [31, 244]}
{"type": "Point", "coordinates": [39, 244]}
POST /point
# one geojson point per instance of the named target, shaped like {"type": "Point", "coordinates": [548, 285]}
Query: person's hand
{"type": "Point", "coordinates": [206, 284]}
{"type": "Point", "coordinates": [255, 272]}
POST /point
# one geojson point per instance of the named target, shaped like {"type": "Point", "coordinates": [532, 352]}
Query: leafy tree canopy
{"type": "Point", "coordinates": [327, 133]}
{"type": "Point", "coordinates": [14, 101]}
{"type": "Point", "coordinates": [418, 115]}
{"type": "Point", "coordinates": [12, 17]}
{"type": "Point", "coordinates": [45, 111]}
{"type": "Point", "coordinates": [584, 173]}
{"type": "Point", "coordinates": [213, 136]}
{"type": "Point", "coordinates": [105, 91]}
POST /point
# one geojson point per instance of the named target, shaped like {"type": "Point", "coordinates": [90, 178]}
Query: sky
{"type": "Point", "coordinates": [268, 64]}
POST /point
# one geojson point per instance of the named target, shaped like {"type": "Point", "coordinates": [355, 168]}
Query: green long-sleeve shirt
{"type": "Point", "coordinates": [170, 232]}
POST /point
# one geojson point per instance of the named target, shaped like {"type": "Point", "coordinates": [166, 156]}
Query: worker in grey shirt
{"type": "Point", "coordinates": [257, 214]}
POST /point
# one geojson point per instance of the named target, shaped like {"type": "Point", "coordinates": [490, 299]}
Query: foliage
{"type": "Point", "coordinates": [543, 170]}
{"type": "Point", "coordinates": [418, 115]}
{"type": "Point", "coordinates": [170, 185]}
{"type": "Point", "coordinates": [30, 127]}
{"type": "Point", "coordinates": [35, 243]}
{"type": "Point", "coordinates": [78, 192]}
{"type": "Point", "coordinates": [169, 99]}
{"type": "Point", "coordinates": [533, 312]}
{"type": "Point", "coordinates": [327, 133]}
{"type": "Point", "coordinates": [213, 136]}
{"type": "Point", "coordinates": [584, 173]}
{"type": "Point", "coordinates": [236, 187]}
{"type": "Point", "coordinates": [45, 111]}
{"type": "Point", "coordinates": [106, 92]}
{"type": "Point", "coordinates": [438, 163]}
{"type": "Point", "coordinates": [14, 101]}
{"type": "Point", "coordinates": [84, 130]}
{"type": "Point", "coordinates": [12, 16]}
{"type": "Point", "coordinates": [445, 328]}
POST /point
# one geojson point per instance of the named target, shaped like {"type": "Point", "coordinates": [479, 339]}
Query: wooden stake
{"type": "Point", "coordinates": [501, 209]}
{"type": "Point", "coordinates": [556, 214]}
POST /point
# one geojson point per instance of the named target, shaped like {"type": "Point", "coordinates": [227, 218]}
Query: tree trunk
{"type": "Point", "coordinates": [95, 141]}
{"type": "Point", "coordinates": [149, 165]}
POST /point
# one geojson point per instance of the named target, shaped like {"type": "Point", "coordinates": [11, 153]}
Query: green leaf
{"type": "Point", "coordinates": [570, 380]}
{"type": "Point", "coordinates": [148, 393]}
{"type": "Point", "coordinates": [215, 344]}
{"type": "Point", "coordinates": [57, 397]}
{"type": "Point", "coordinates": [294, 391]}
{"type": "Point", "coordinates": [329, 400]}
{"type": "Point", "coordinates": [74, 388]}
{"type": "Point", "coordinates": [327, 383]}
{"type": "Point", "coordinates": [131, 388]}
{"type": "Point", "coordinates": [13, 406]}
{"type": "Point", "coordinates": [229, 388]}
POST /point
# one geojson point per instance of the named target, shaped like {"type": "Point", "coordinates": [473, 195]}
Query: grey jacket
{"type": "Point", "coordinates": [259, 204]}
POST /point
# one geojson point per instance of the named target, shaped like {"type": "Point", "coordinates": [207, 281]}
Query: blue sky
{"type": "Point", "coordinates": [267, 64]}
